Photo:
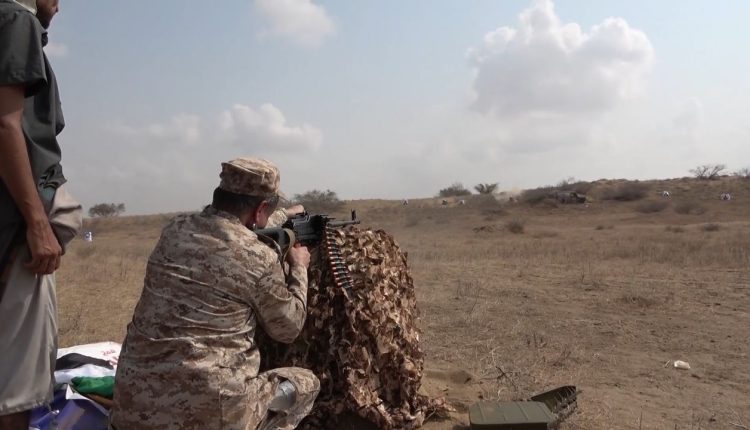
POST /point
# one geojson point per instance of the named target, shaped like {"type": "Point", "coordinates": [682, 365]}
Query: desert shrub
{"type": "Point", "coordinates": [106, 209]}
{"type": "Point", "coordinates": [571, 184]}
{"type": "Point", "coordinates": [708, 171]}
{"type": "Point", "coordinates": [455, 190]}
{"type": "Point", "coordinates": [689, 208]}
{"type": "Point", "coordinates": [600, 227]}
{"type": "Point", "coordinates": [486, 202]}
{"type": "Point", "coordinates": [536, 195]}
{"type": "Point", "coordinates": [710, 227]}
{"type": "Point", "coordinates": [743, 173]}
{"type": "Point", "coordinates": [651, 206]}
{"type": "Point", "coordinates": [675, 229]}
{"type": "Point", "coordinates": [485, 188]}
{"type": "Point", "coordinates": [515, 226]}
{"type": "Point", "coordinates": [627, 192]}
{"type": "Point", "coordinates": [319, 201]}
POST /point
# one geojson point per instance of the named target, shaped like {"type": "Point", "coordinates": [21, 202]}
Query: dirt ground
{"type": "Point", "coordinates": [601, 296]}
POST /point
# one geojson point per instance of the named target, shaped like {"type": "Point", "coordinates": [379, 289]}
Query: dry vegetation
{"type": "Point", "coordinates": [603, 296]}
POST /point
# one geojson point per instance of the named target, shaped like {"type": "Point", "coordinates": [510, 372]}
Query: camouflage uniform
{"type": "Point", "coordinates": [189, 360]}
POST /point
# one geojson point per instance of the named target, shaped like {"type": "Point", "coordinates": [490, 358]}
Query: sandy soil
{"type": "Point", "coordinates": [601, 296]}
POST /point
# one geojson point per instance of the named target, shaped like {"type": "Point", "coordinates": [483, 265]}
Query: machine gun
{"type": "Point", "coordinates": [305, 229]}
{"type": "Point", "coordinates": [312, 230]}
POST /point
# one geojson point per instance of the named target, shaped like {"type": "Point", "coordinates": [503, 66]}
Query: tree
{"type": "Point", "coordinates": [708, 171]}
{"type": "Point", "coordinates": [743, 173]}
{"type": "Point", "coordinates": [319, 201]}
{"type": "Point", "coordinates": [455, 190]}
{"type": "Point", "coordinates": [486, 188]}
{"type": "Point", "coordinates": [106, 209]}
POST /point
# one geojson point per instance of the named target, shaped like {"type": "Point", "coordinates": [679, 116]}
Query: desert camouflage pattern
{"type": "Point", "coordinates": [189, 360]}
{"type": "Point", "coordinates": [277, 218]}
{"type": "Point", "coordinates": [363, 342]}
{"type": "Point", "coordinates": [250, 176]}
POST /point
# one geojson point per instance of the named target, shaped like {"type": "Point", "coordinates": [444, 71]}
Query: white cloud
{"type": "Point", "coordinates": [300, 21]}
{"type": "Point", "coordinates": [174, 164]}
{"type": "Point", "coordinates": [547, 67]}
{"type": "Point", "coordinates": [262, 129]}
{"type": "Point", "coordinates": [266, 128]}
{"type": "Point", "coordinates": [56, 50]}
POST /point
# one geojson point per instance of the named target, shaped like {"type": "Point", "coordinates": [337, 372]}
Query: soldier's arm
{"type": "Point", "coordinates": [15, 172]}
{"type": "Point", "coordinates": [281, 304]}
{"type": "Point", "coordinates": [281, 215]}
{"type": "Point", "coordinates": [278, 217]}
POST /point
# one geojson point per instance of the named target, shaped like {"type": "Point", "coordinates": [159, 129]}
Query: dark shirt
{"type": "Point", "coordinates": [23, 62]}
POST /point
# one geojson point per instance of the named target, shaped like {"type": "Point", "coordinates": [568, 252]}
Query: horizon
{"type": "Point", "coordinates": [392, 100]}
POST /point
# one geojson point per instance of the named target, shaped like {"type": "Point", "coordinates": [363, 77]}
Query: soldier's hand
{"type": "Point", "coordinates": [45, 249]}
{"type": "Point", "coordinates": [298, 255]}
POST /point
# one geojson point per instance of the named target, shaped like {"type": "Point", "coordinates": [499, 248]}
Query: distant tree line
{"type": "Point", "coordinates": [457, 189]}
{"type": "Point", "coordinates": [106, 210]}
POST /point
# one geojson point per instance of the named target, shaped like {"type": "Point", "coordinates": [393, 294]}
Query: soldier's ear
{"type": "Point", "coordinates": [260, 213]}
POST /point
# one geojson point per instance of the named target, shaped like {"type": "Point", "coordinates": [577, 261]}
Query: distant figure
{"type": "Point", "coordinates": [665, 194]}
{"type": "Point", "coordinates": [511, 199]}
{"type": "Point", "coordinates": [726, 196]}
{"type": "Point", "coordinates": [462, 202]}
{"type": "Point", "coordinates": [444, 202]}
{"type": "Point", "coordinates": [405, 202]}
{"type": "Point", "coordinates": [88, 236]}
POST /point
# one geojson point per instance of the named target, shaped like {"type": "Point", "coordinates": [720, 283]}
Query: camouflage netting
{"type": "Point", "coordinates": [363, 342]}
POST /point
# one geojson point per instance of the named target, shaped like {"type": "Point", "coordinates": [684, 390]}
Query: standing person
{"type": "Point", "coordinates": [189, 360]}
{"type": "Point", "coordinates": [37, 216]}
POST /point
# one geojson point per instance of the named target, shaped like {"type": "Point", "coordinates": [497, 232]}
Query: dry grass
{"type": "Point", "coordinates": [625, 192]}
{"type": "Point", "coordinates": [689, 208]}
{"type": "Point", "coordinates": [710, 227]}
{"type": "Point", "coordinates": [505, 315]}
{"type": "Point", "coordinates": [515, 226]}
{"type": "Point", "coordinates": [651, 206]}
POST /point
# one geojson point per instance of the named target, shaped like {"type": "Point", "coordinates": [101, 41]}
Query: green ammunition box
{"type": "Point", "coordinates": [510, 416]}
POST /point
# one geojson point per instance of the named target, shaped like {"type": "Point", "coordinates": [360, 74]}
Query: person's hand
{"type": "Point", "coordinates": [294, 210]}
{"type": "Point", "coordinates": [298, 255]}
{"type": "Point", "coordinates": [45, 249]}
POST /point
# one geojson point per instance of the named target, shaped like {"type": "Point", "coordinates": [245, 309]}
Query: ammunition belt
{"type": "Point", "coordinates": [339, 271]}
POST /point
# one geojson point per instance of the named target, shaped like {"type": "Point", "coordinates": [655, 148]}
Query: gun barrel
{"type": "Point", "coordinates": [343, 223]}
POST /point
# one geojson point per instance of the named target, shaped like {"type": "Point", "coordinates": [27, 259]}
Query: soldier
{"type": "Point", "coordinates": [37, 216]}
{"type": "Point", "coordinates": [189, 360]}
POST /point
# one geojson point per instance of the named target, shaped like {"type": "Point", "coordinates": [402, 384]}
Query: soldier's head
{"type": "Point", "coordinates": [249, 189]}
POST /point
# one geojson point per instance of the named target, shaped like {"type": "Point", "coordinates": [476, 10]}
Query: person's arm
{"type": "Point", "coordinates": [281, 305]}
{"type": "Point", "coordinates": [15, 172]}
{"type": "Point", "coordinates": [279, 216]}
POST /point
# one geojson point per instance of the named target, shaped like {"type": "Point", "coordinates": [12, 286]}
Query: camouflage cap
{"type": "Point", "coordinates": [250, 176]}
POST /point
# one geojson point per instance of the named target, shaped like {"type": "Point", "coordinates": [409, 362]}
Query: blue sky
{"type": "Point", "coordinates": [394, 99]}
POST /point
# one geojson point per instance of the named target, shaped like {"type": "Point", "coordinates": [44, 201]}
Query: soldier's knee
{"type": "Point", "coordinates": [307, 383]}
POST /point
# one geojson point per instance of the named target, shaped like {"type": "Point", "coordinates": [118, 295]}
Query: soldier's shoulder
{"type": "Point", "coordinates": [12, 12]}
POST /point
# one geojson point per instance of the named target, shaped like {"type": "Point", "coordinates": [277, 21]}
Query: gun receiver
{"type": "Point", "coordinates": [305, 229]}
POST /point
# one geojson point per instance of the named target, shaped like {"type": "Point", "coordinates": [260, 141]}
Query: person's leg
{"type": "Point", "coordinates": [28, 339]}
{"type": "Point", "coordinates": [306, 388]}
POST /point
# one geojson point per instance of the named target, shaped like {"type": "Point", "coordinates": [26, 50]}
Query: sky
{"type": "Point", "coordinates": [394, 99]}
